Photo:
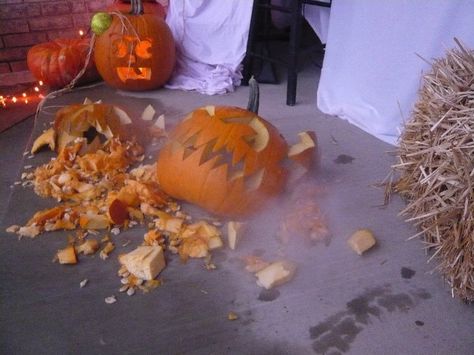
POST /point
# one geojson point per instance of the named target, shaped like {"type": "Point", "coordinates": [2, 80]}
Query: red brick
{"type": "Point", "coordinates": [13, 79]}
{"type": "Point", "coordinates": [25, 39]}
{"type": "Point", "coordinates": [1, 43]}
{"type": "Point", "coordinates": [55, 8]}
{"type": "Point", "coordinates": [13, 26]}
{"type": "Point", "coordinates": [82, 21]}
{"type": "Point", "coordinates": [11, 1]}
{"type": "Point", "coordinates": [50, 23]}
{"type": "Point", "coordinates": [19, 66]}
{"type": "Point", "coordinates": [78, 7]}
{"type": "Point", "coordinates": [63, 34]}
{"type": "Point", "coordinates": [19, 11]}
{"type": "Point", "coordinates": [4, 68]}
{"type": "Point", "coordinates": [12, 54]}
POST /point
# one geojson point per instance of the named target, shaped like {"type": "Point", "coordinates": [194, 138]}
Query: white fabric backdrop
{"type": "Point", "coordinates": [211, 40]}
{"type": "Point", "coordinates": [371, 72]}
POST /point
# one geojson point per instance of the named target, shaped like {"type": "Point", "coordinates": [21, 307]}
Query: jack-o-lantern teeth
{"type": "Point", "coordinates": [129, 73]}
{"type": "Point", "coordinates": [207, 152]}
{"type": "Point", "coordinates": [191, 141]}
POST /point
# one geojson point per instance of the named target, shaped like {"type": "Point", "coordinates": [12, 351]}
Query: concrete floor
{"type": "Point", "coordinates": [385, 302]}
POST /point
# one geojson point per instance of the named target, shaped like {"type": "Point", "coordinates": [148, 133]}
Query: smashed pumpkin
{"type": "Point", "coordinates": [227, 160]}
{"type": "Point", "coordinates": [80, 120]}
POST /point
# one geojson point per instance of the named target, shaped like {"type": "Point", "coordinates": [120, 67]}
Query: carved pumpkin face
{"type": "Point", "coordinates": [225, 159]}
{"type": "Point", "coordinates": [136, 52]}
{"type": "Point", "coordinates": [133, 57]}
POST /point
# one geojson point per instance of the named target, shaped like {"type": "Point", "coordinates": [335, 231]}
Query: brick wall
{"type": "Point", "coordinates": [24, 23]}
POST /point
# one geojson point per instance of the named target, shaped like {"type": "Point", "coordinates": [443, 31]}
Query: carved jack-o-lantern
{"type": "Point", "coordinates": [136, 52]}
{"type": "Point", "coordinates": [225, 159]}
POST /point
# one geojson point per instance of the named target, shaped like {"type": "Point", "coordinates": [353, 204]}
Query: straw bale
{"type": "Point", "coordinates": [436, 168]}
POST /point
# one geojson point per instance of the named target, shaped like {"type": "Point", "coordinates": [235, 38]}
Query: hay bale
{"type": "Point", "coordinates": [436, 166]}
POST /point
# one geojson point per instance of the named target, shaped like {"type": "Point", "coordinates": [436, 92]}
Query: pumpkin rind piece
{"type": "Point", "coordinates": [48, 138]}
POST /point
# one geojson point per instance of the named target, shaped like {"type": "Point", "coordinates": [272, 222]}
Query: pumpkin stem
{"type": "Point", "coordinates": [136, 7]}
{"type": "Point", "coordinates": [254, 96]}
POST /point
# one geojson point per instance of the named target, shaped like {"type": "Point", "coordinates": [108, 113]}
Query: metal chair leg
{"type": "Point", "coordinates": [295, 33]}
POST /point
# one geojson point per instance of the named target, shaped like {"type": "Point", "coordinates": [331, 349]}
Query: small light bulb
{"type": "Point", "coordinates": [37, 89]}
{"type": "Point", "coordinates": [14, 99]}
{"type": "Point", "coordinates": [40, 82]}
{"type": "Point", "coordinates": [81, 33]}
{"type": "Point", "coordinates": [24, 94]}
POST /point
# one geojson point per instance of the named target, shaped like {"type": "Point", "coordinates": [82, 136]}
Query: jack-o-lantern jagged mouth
{"type": "Point", "coordinates": [225, 159]}
{"type": "Point", "coordinates": [133, 73]}
{"type": "Point", "coordinates": [235, 169]}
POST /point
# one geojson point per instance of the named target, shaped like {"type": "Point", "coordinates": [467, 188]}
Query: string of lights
{"type": "Point", "coordinates": [34, 94]}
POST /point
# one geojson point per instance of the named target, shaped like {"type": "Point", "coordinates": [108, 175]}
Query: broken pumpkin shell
{"type": "Point", "coordinates": [48, 138]}
{"type": "Point", "coordinates": [74, 121]}
{"type": "Point", "coordinates": [305, 152]}
{"type": "Point", "coordinates": [303, 156]}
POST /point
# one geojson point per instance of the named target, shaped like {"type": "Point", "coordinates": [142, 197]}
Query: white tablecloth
{"type": "Point", "coordinates": [317, 17]}
{"type": "Point", "coordinates": [371, 72]}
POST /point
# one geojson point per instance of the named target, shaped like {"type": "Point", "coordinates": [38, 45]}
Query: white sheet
{"type": "Point", "coordinates": [371, 72]}
{"type": "Point", "coordinates": [211, 39]}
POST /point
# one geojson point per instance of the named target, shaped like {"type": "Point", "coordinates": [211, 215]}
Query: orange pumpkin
{"type": "Point", "coordinates": [136, 52]}
{"type": "Point", "coordinates": [225, 159]}
{"type": "Point", "coordinates": [58, 62]}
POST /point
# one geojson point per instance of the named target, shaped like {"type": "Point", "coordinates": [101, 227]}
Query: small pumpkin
{"type": "Point", "coordinates": [58, 62]}
{"type": "Point", "coordinates": [136, 52]}
{"type": "Point", "coordinates": [227, 160]}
